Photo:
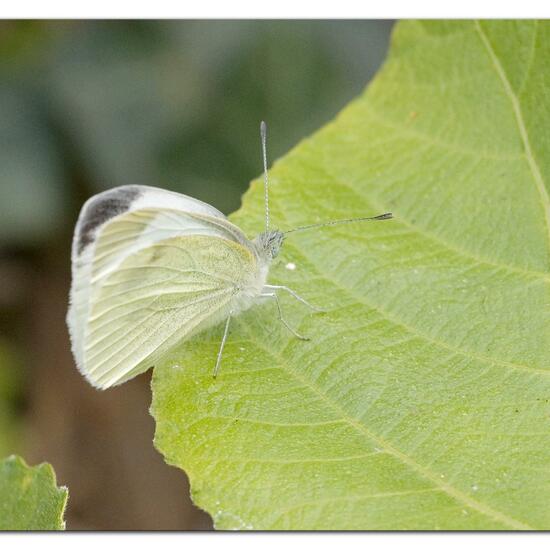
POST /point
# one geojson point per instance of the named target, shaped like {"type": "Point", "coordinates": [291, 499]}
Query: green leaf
{"type": "Point", "coordinates": [29, 497]}
{"type": "Point", "coordinates": [422, 400]}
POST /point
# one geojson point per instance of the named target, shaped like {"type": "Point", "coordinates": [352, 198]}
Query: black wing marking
{"type": "Point", "coordinates": [102, 208]}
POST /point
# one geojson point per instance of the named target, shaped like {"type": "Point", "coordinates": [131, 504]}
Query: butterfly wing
{"type": "Point", "coordinates": [157, 297]}
{"type": "Point", "coordinates": [116, 225]}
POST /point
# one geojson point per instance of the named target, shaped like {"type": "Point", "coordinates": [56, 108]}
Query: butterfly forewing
{"type": "Point", "coordinates": [139, 229]}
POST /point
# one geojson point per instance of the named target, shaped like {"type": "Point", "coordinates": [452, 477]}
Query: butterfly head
{"type": "Point", "coordinates": [270, 242]}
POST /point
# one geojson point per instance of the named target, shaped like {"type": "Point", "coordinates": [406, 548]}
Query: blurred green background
{"type": "Point", "coordinates": [88, 105]}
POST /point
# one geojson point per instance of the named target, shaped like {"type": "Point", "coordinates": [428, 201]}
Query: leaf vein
{"type": "Point", "coordinates": [408, 461]}
{"type": "Point", "coordinates": [535, 170]}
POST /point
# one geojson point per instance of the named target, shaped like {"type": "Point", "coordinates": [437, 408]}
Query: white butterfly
{"type": "Point", "coordinates": [151, 268]}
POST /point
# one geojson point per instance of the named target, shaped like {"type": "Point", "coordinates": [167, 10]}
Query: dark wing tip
{"type": "Point", "coordinates": [101, 208]}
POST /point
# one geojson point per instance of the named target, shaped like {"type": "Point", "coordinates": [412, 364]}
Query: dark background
{"type": "Point", "coordinates": [88, 105]}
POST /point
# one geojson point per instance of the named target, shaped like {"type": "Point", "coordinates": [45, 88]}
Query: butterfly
{"type": "Point", "coordinates": [151, 268]}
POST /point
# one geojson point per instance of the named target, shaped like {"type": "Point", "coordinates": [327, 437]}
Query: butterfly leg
{"type": "Point", "coordinates": [224, 338]}
{"type": "Point", "coordinates": [281, 318]}
{"type": "Point", "coordinates": [292, 293]}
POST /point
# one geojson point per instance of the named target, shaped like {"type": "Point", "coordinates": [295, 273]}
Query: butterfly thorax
{"type": "Point", "coordinates": [269, 243]}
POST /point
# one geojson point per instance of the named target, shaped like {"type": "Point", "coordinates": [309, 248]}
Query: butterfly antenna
{"type": "Point", "coordinates": [386, 216]}
{"type": "Point", "coordinates": [263, 136]}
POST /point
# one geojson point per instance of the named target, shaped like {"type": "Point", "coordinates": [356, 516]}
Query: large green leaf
{"type": "Point", "coordinates": [29, 497]}
{"type": "Point", "coordinates": [422, 399]}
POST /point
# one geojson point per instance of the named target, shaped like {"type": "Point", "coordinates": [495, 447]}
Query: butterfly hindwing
{"type": "Point", "coordinates": [158, 296]}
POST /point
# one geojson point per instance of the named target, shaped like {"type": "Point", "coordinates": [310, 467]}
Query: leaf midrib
{"type": "Point", "coordinates": [535, 170]}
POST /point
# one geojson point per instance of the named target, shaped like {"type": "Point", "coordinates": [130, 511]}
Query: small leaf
{"type": "Point", "coordinates": [422, 400]}
{"type": "Point", "coordinates": [29, 497]}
